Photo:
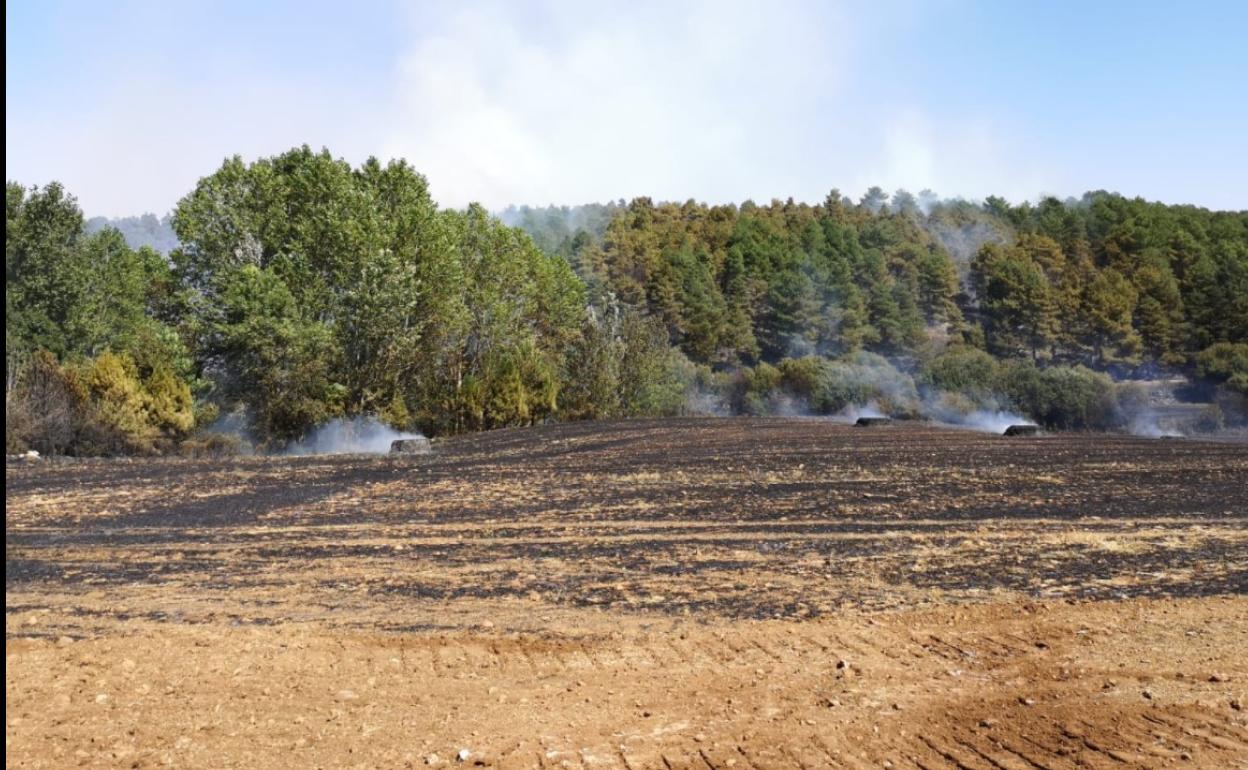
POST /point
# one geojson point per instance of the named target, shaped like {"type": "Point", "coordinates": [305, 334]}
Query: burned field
{"type": "Point", "coordinates": [682, 593]}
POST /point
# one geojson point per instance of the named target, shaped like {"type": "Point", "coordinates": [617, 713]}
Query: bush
{"type": "Point", "coordinates": [963, 370]}
{"type": "Point", "coordinates": [759, 389]}
{"type": "Point", "coordinates": [96, 407]}
{"type": "Point", "coordinates": [170, 406]}
{"type": "Point", "coordinates": [1225, 362]}
{"type": "Point", "coordinates": [48, 408]}
{"type": "Point", "coordinates": [866, 377]}
{"type": "Point", "coordinates": [803, 377]}
{"type": "Point", "coordinates": [655, 379]}
{"type": "Point", "coordinates": [1209, 420]}
{"type": "Point", "coordinates": [1232, 404]}
{"type": "Point", "coordinates": [120, 406]}
{"type": "Point", "coordinates": [1061, 397]}
{"type": "Point", "coordinates": [212, 445]}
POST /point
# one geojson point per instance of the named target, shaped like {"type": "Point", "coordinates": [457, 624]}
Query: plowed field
{"type": "Point", "coordinates": [702, 593]}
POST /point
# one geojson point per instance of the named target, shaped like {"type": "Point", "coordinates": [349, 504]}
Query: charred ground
{"type": "Point", "coordinates": [702, 512]}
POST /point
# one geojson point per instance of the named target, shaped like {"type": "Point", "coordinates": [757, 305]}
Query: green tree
{"type": "Point", "coordinates": [1109, 303]}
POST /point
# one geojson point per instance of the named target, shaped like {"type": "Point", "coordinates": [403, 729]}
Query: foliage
{"type": "Point", "coordinates": [1225, 362]}
{"type": "Point", "coordinates": [300, 288]}
{"type": "Point", "coordinates": [1060, 397]}
{"type": "Point", "coordinates": [98, 406]}
{"type": "Point", "coordinates": [961, 369]}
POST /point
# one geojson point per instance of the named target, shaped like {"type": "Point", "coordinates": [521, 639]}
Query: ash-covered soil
{"type": "Point", "coordinates": [679, 593]}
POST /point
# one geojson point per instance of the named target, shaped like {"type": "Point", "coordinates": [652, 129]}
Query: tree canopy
{"type": "Point", "coordinates": [303, 289]}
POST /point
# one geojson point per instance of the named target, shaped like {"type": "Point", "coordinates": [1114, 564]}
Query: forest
{"type": "Point", "coordinates": [299, 289]}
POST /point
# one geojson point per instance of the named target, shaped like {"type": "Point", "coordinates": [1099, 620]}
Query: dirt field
{"type": "Point", "coordinates": [702, 593]}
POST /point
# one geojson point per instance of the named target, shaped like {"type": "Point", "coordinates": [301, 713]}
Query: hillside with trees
{"type": "Point", "coordinates": [302, 289]}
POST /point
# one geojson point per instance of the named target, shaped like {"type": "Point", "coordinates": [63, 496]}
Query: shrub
{"type": "Point", "coordinates": [96, 407]}
{"type": "Point", "coordinates": [1232, 404]}
{"type": "Point", "coordinates": [803, 377]}
{"type": "Point", "coordinates": [1225, 362]}
{"type": "Point", "coordinates": [962, 369]}
{"type": "Point", "coordinates": [867, 377]}
{"type": "Point", "coordinates": [758, 389]}
{"type": "Point", "coordinates": [120, 406]}
{"type": "Point", "coordinates": [170, 406]}
{"type": "Point", "coordinates": [1209, 420]}
{"type": "Point", "coordinates": [1061, 396]}
{"type": "Point", "coordinates": [212, 445]}
{"type": "Point", "coordinates": [48, 407]}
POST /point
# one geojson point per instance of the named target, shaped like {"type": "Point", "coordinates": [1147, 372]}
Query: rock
{"type": "Point", "coordinates": [1216, 677]}
{"type": "Point", "coordinates": [346, 695]}
{"type": "Point", "coordinates": [433, 759]}
{"type": "Point", "coordinates": [989, 723]}
{"type": "Point", "coordinates": [1148, 694]}
{"type": "Point", "coordinates": [1237, 704]}
{"type": "Point", "coordinates": [1027, 701]}
{"type": "Point", "coordinates": [463, 755]}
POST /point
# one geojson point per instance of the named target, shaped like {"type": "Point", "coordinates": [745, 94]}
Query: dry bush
{"type": "Point", "coordinates": [212, 445]}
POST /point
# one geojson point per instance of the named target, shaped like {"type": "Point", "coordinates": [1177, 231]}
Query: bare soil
{"type": "Point", "coordinates": [700, 593]}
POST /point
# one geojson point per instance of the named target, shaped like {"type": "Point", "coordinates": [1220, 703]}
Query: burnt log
{"type": "Point", "coordinates": [411, 446]}
{"type": "Point", "coordinates": [1022, 430]}
{"type": "Point", "coordinates": [867, 422]}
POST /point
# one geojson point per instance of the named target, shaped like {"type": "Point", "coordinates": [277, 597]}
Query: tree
{"type": "Point", "coordinates": [47, 271]}
{"type": "Point", "coordinates": [1016, 300]}
{"type": "Point", "coordinates": [1108, 304]}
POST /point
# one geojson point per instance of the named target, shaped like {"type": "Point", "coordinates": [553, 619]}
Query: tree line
{"type": "Point", "coordinates": [302, 289]}
{"type": "Point", "coordinates": [1103, 281]}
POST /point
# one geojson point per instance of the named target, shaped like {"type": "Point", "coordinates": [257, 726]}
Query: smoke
{"type": "Point", "coordinates": [851, 413]}
{"type": "Point", "coordinates": [1147, 423]}
{"type": "Point", "coordinates": [1180, 407]}
{"type": "Point", "coordinates": [960, 411]}
{"type": "Point", "coordinates": [946, 409]}
{"type": "Point", "coordinates": [787, 405]}
{"type": "Point", "coordinates": [988, 422]}
{"type": "Point", "coordinates": [963, 241]}
{"type": "Point", "coordinates": [358, 435]}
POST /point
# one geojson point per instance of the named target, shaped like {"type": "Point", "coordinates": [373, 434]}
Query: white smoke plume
{"type": "Point", "coordinates": [851, 413]}
{"type": "Point", "coordinates": [1146, 423]}
{"type": "Point", "coordinates": [960, 412]}
{"type": "Point", "coordinates": [986, 421]}
{"type": "Point", "coordinates": [358, 435]}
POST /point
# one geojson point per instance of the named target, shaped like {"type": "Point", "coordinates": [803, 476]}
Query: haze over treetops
{"type": "Point", "coordinates": [128, 104]}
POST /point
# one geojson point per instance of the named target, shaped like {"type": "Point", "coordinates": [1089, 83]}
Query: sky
{"type": "Point", "coordinates": [129, 103]}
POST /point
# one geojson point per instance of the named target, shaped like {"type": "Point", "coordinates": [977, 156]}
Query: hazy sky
{"type": "Point", "coordinates": [129, 103]}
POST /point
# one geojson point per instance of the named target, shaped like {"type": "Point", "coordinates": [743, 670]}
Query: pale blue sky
{"type": "Point", "coordinates": [128, 103]}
